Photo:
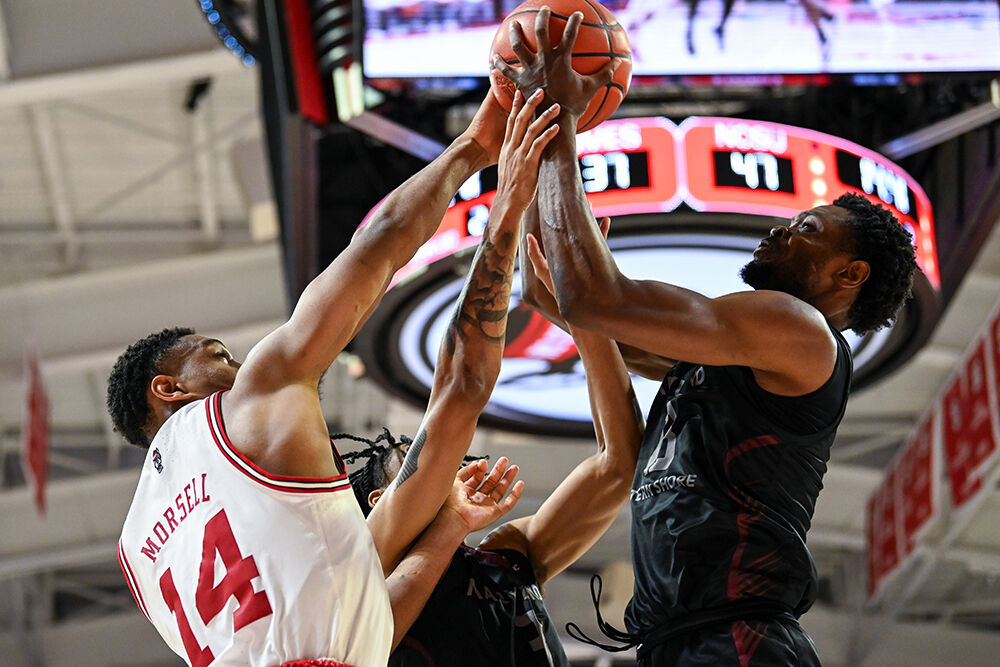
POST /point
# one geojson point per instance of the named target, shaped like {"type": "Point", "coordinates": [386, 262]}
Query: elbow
{"type": "Point", "coordinates": [581, 306]}
{"type": "Point", "coordinates": [618, 454]}
{"type": "Point", "coordinates": [596, 302]}
{"type": "Point", "coordinates": [531, 296]}
{"type": "Point", "coordinates": [571, 297]}
{"type": "Point", "coordinates": [615, 477]}
{"type": "Point", "coordinates": [621, 471]}
{"type": "Point", "coordinates": [386, 234]}
{"type": "Point", "coordinates": [470, 384]}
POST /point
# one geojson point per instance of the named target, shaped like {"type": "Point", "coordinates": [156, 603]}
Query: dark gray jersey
{"type": "Point", "coordinates": [725, 488]}
{"type": "Point", "coordinates": [486, 610]}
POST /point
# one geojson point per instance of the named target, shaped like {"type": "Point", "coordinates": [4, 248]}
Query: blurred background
{"type": "Point", "coordinates": [196, 163]}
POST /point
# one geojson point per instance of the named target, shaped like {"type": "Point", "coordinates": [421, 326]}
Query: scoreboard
{"type": "Point", "coordinates": [648, 166]}
{"type": "Point", "coordinates": [651, 165]}
{"type": "Point", "coordinates": [778, 170]}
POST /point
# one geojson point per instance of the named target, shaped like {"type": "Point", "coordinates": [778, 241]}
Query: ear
{"type": "Point", "coordinates": [854, 274]}
{"type": "Point", "coordinates": [165, 388]}
{"type": "Point", "coordinates": [374, 496]}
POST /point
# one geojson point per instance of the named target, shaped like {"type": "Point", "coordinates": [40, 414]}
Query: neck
{"type": "Point", "coordinates": [836, 314]}
{"type": "Point", "coordinates": [161, 412]}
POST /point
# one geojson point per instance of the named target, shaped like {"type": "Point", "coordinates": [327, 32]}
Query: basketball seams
{"type": "Point", "coordinates": [597, 111]}
{"type": "Point", "coordinates": [604, 37]}
{"type": "Point", "coordinates": [603, 25]}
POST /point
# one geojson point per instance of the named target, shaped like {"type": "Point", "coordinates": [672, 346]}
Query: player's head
{"type": "Point", "coordinates": [161, 373]}
{"type": "Point", "coordinates": [851, 257]}
{"type": "Point", "coordinates": [881, 241]}
{"type": "Point", "coordinates": [384, 458]}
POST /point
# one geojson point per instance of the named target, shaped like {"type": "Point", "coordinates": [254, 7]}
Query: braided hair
{"type": "Point", "coordinates": [375, 474]}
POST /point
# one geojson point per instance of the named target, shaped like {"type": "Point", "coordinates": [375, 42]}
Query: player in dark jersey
{"type": "Point", "coordinates": [487, 608]}
{"type": "Point", "coordinates": [737, 440]}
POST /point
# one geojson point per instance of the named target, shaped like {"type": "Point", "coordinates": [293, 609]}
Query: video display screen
{"type": "Point", "coordinates": [451, 38]}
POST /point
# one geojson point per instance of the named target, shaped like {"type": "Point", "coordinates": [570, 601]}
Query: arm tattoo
{"type": "Point", "coordinates": [410, 462]}
{"type": "Point", "coordinates": [486, 296]}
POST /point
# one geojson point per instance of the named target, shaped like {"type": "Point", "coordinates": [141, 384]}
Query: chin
{"type": "Point", "coordinates": [765, 276]}
{"type": "Point", "coordinates": [755, 274]}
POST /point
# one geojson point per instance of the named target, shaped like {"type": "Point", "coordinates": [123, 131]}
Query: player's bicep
{"type": "Point", "coordinates": [758, 329]}
{"type": "Point", "coordinates": [328, 314]}
{"type": "Point", "coordinates": [777, 334]}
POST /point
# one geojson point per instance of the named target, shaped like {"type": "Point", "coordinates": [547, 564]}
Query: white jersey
{"type": "Point", "coordinates": [235, 566]}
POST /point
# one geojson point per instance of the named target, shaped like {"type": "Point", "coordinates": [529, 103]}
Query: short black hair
{"type": "Point", "coordinates": [130, 377]}
{"type": "Point", "coordinates": [887, 246]}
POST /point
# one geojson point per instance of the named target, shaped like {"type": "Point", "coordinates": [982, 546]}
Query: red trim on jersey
{"type": "Point", "coordinates": [747, 445]}
{"type": "Point", "coordinates": [747, 639]}
{"type": "Point", "coordinates": [216, 426]}
{"type": "Point", "coordinates": [130, 579]}
{"type": "Point", "coordinates": [747, 580]}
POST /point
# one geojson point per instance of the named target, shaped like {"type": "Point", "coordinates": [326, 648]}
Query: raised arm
{"type": "Point", "coordinates": [582, 507]}
{"type": "Point", "coordinates": [469, 360]}
{"type": "Point", "coordinates": [336, 303]}
{"type": "Point", "coordinates": [535, 294]}
{"type": "Point", "coordinates": [769, 331]}
{"type": "Point", "coordinates": [476, 500]}
{"type": "Point", "coordinates": [273, 412]}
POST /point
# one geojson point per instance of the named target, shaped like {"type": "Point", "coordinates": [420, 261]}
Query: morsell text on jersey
{"type": "Point", "coordinates": [192, 495]}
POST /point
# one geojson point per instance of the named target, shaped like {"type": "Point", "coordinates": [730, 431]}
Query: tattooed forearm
{"type": "Point", "coordinates": [410, 462]}
{"type": "Point", "coordinates": [483, 304]}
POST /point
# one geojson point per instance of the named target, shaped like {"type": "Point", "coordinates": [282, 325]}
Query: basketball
{"type": "Point", "coordinates": [600, 39]}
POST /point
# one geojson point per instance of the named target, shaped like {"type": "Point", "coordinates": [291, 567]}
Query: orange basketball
{"type": "Point", "coordinates": [600, 39]}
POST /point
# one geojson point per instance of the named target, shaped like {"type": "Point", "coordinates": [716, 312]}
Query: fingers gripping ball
{"type": "Point", "coordinates": [600, 39]}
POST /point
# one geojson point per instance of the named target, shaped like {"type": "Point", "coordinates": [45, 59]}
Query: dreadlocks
{"type": "Point", "coordinates": [375, 474]}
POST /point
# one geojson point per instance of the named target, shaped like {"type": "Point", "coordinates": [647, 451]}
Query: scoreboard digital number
{"type": "Point", "coordinates": [627, 166]}
{"type": "Point", "coordinates": [742, 166]}
{"type": "Point", "coordinates": [650, 165]}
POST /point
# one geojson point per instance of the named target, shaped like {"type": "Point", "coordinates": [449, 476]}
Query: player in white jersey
{"type": "Point", "coordinates": [241, 545]}
{"type": "Point", "coordinates": [196, 480]}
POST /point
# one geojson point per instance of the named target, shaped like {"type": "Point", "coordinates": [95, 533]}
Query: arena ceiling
{"type": "Point", "coordinates": [127, 203]}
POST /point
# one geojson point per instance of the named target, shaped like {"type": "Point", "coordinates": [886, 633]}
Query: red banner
{"type": "Point", "coordinates": [904, 505]}
{"type": "Point", "coordinates": [970, 440]}
{"type": "Point", "coordinates": [967, 422]}
{"type": "Point", "coordinates": [918, 483]}
{"type": "Point", "coordinates": [35, 429]}
{"type": "Point", "coordinates": [882, 534]}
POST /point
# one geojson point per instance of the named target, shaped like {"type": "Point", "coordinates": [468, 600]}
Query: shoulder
{"type": "Point", "coordinates": [774, 325]}
{"type": "Point", "coordinates": [282, 432]}
{"type": "Point", "coordinates": [793, 350]}
{"type": "Point", "coordinates": [757, 304]}
{"type": "Point", "coordinates": [509, 536]}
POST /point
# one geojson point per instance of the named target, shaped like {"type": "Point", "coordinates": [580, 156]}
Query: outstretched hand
{"type": "Point", "coordinates": [525, 138]}
{"type": "Point", "coordinates": [551, 67]}
{"type": "Point", "coordinates": [487, 127]}
{"type": "Point", "coordinates": [477, 499]}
